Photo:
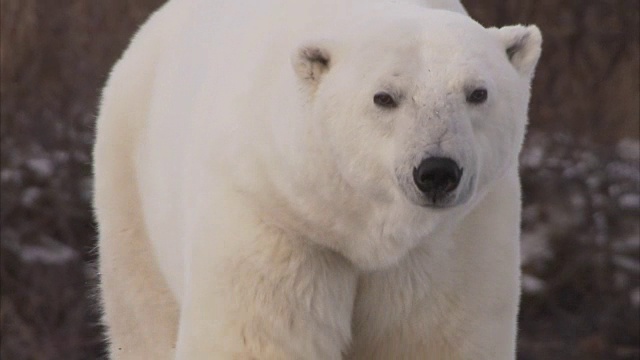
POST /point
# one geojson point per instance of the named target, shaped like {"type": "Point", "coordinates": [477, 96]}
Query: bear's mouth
{"type": "Point", "coordinates": [439, 200]}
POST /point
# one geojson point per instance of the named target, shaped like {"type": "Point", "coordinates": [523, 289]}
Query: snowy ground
{"type": "Point", "coordinates": [580, 249]}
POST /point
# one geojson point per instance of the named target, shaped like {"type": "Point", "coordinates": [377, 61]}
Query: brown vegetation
{"type": "Point", "coordinates": [587, 83]}
{"type": "Point", "coordinates": [55, 56]}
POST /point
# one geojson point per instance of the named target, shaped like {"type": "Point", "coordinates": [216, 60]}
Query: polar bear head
{"type": "Point", "coordinates": [413, 116]}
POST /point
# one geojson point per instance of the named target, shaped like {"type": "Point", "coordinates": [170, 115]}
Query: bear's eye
{"type": "Point", "coordinates": [477, 96]}
{"type": "Point", "coordinates": [383, 99]}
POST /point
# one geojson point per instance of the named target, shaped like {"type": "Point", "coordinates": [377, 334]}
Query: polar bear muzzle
{"type": "Point", "coordinates": [437, 177]}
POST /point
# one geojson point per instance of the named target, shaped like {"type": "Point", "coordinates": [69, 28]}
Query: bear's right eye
{"type": "Point", "coordinates": [383, 99]}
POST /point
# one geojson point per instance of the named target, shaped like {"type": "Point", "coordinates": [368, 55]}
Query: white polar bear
{"type": "Point", "coordinates": [307, 179]}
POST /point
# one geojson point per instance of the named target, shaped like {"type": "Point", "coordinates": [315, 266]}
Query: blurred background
{"type": "Point", "coordinates": [580, 167]}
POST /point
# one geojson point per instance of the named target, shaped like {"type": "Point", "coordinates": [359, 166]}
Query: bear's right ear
{"type": "Point", "coordinates": [311, 61]}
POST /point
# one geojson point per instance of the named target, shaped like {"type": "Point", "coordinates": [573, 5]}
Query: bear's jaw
{"type": "Point", "coordinates": [390, 240]}
{"type": "Point", "coordinates": [370, 235]}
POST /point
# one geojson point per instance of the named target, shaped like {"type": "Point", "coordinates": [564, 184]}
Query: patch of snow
{"type": "Point", "coordinates": [30, 195]}
{"type": "Point", "coordinates": [48, 251]}
{"type": "Point", "coordinates": [627, 263]}
{"type": "Point", "coordinates": [620, 170]}
{"type": "Point", "coordinates": [629, 201]}
{"type": "Point", "coordinates": [42, 167]}
{"type": "Point", "coordinates": [46, 255]}
{"type": "Point", "coordinates": [532, 284]}
{"type": "Point", "coordinates": [10, 176]}
{"type": "Point", "coordinates": [61, 156]}
{"type": "Point", "coordinates": [629, 149]}
{"type": "Point", "coordinates": [535, 245]}
{"type": "Point", "coordinates": [533, 157]}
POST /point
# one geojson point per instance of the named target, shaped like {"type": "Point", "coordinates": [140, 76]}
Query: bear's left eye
{"type": "Point", "coordinates": [477, 96]}
{"type": "Point", "coordinates": [383, 99]}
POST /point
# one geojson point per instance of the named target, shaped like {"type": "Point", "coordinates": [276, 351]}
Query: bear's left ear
{"type": "Point", "coordinates": [522, 44]}
{"type": "Point", "coordinates": [311, 61]}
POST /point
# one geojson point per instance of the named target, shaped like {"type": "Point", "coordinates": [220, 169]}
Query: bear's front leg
{"type": "Point", "coordinates": [255, 292]}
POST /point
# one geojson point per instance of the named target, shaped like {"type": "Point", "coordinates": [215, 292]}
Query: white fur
{"type": "Point", "coordinates": [254, 203]}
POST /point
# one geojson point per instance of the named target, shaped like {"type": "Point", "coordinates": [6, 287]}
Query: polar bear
{"type": "Point", "coordinates": [307, 179]}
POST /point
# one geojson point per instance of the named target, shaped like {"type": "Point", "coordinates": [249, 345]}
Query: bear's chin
{"type": "Point", "coordinates": [370, 261]}
{"type": "Point", "coordinates": [402, 229]}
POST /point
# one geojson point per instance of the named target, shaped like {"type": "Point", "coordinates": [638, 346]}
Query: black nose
{"type": "Point", "coordinates": [437, 176]}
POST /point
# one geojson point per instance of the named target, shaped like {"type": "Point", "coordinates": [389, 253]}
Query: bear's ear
{"type": "Point", "coordinates": [522, 45]}
{"type": "Point", "coordinates": [311, 61]}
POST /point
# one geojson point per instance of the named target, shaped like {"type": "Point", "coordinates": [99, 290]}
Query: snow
{"type": "Point", "coordinates": [629, 201]}
{"type": "Point", "coordinates": [629, 149]}
{"type": "Point", "coordinates": [535, 247]}
{"type": "Point", "coordinates": [627, 263]}
{"type": "Point", "coordinates": [47, 251]}
{"type": "Point", "coordinates": [42, 167]}
{"type": "Point", "coordinates": [581, 205]}
{"type": "Point", "coordinates": [532, 285]}
{"type": "Point", "coordinates": [30, 196]}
